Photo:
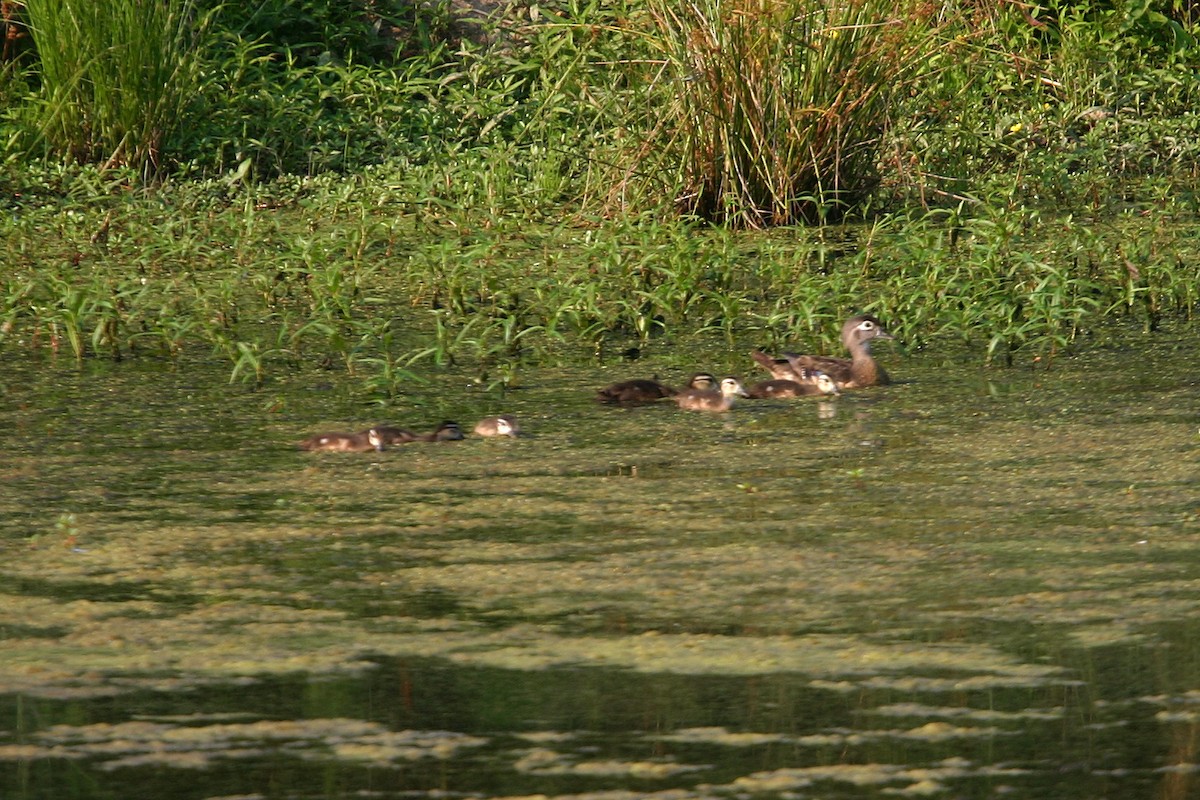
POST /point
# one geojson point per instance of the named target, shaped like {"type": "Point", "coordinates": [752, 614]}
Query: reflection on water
{"type": "Point", "coordinates": [965, 585]}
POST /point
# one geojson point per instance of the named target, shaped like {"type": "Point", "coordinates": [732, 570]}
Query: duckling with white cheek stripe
{"type": "Point", "coordinates": [502, 425]}
{"type": "Point", "coordinates": [715, 400]}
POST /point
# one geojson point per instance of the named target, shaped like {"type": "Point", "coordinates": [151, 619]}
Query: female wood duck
{"type": "Point", "coordinates": [361, 442]}
{"type": "Point", "coordinates": [817, 383]}
{"type": "Point", "coordinates": [855, 372]}
{"type": "Point", "coordinates": [639, 391]}
{"type": "Point", "coordinates": [718, 399]}
{"type": "Point", "coordinates": [446, 432]}
{"type": "Point", "coordinates": [502, 425]}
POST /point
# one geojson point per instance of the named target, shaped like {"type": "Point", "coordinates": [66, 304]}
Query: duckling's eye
{"type": "Point", "coordinates": [867, 325]}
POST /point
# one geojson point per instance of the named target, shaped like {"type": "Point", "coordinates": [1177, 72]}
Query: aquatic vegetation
{"type": "Point", "coordinates": [382, 301]}
{"type": "Point", "coordinates": [196, 743]}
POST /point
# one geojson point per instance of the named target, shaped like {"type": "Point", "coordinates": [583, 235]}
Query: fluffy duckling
{"type": "Point", "coordinates": [361, 442]}
{"type": "Point", "coordinates": [855, 372]}
{"type": "Point", "coordinates": [447, 431]}
{"type": "Point", "coordinates": [719, 399]}
{"type": "Point", "coordinates": [646, 391]}
{"type": "Point", "coordinates": [818, 384]}
{"type": "Point", "coordinates": [502, 425]}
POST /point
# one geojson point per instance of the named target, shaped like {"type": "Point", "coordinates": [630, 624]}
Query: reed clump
{"type": "Point", "coordinates": [115, 77]}
{"type": "Point", "coordinates": [773, 111]}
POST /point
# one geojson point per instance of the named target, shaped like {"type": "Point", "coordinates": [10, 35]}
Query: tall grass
{"type": "Point", "coordinates": [772, 111]}
{"type": "Point", "coordinates": [115, 76]}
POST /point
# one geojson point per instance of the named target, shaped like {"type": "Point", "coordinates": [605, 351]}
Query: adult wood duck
{"type": "Point", "coordinates": [361, 442]}
{"type": "Point", "coordinates": [502, 425]}
{"type": "Point", "coordinates": [635, 392]}
{"type": "Point", "coordinates": [818, 383]}
{"type": "Point", "coordinates": [716, 399]}
{"type": "Point", "coordinates": [855, 372]}
{"type": "Point", "coordinates": [446, 432]}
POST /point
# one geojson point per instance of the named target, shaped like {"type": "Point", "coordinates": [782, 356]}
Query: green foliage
{"type": "Point", "coordinates": [1064, 104]}
{"type": "Point", "coordinates": [330, 273]}
{"type": "Point", "coordinates": [497, 204]}
{"type": "Point", "coordinates": [308, 33]}
{"type": "Point", "coordinates": [114, 77]}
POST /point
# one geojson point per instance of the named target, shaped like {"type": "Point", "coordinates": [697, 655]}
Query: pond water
{"type": "Point", "coordinates": [969, 584]}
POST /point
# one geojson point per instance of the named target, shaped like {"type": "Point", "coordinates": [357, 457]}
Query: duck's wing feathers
{"type": "Point", "coordinates": [837, 368]}
{"type": "Point", "coordinates": [780, 388]}
{"type": "Point", "coordinates": [780, 368]}
{"type": "Point", "coordinates": [392, 435]}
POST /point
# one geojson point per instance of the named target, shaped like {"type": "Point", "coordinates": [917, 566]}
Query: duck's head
{"type": "Point", "coordinates": [861, 330]}
{"type": "Point", "coordinates": [732, 387]}
{"type": "Point", "coordinates": [825, 383]}
{"type": "Point", "coordinates": [448, 432]}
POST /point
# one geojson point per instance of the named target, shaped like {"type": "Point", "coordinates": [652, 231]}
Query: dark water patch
{"type": "Point", "coordinates": [17, 631]}
{"type": "Point", "coordinates": [420, 727]}
{"type": "Point", "coordinates": [102, 592]}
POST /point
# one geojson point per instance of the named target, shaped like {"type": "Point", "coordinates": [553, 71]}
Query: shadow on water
{"type": "Point", "coordinates": [420, 727]}
{"type": "Point", "coordinates": [968, 584]}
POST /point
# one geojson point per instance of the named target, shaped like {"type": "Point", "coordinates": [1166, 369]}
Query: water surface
{"type": "Point", "coordinates": [970, 584]}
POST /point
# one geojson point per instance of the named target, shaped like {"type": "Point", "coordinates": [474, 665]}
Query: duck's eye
{"type": "Point", "coordinates": [867, 325]}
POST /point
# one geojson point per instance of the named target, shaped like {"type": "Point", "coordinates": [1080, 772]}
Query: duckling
{"type": "Point", "coordinates": [646, 391]}
{"type": "Point", "coordinates": [818, 383]}
{"type": "Point", "coordinates": [855, 372]}
{"type": "Point", "coordinates": [502, 425]}
{"type": "Point", "coordinates": [720, 399]}
{"type": "Point", "coordinates": [391, 435]}
{"type": "Point", "coordinates": [361, 442]}
{"type": "Point", "coordinates": [447, 431]}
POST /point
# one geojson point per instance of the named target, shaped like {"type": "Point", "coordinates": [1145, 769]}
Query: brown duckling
{"type": "Point", "coordinates": [718, 399]}
{"type": "Point", "coordinates": [855, 372]}
{"type": "Point", "coordinates": [818, 384]}
{"type": "Point", "coordinates": [446, 432]}
{"type": "Point", "coordinates": [361, 442]}
{"type": "Point", "coordinates": [502, 425]}
{"type": "Point", "coordinates": [391, 435]}
{"type": "Point", "coordinates": [639, 391]}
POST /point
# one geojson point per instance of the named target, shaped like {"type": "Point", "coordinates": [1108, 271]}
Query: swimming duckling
{"type": "Point", "coordinates": [502, 425]}
{"type": "Point", "coordinates": [646, 391]}
{"type": "Point", "coordinates": [818, 384]}
{"type": "Point", "coordinates": [447, 431]}
{"type": "Point", "coordinates": [855, 372]}
{"type": "Point", "coordinates": [391, 435]}
{"type": "Point", "coordinates": [361, 442]}
{"type": "Point", "coordinates": [719, 399]}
